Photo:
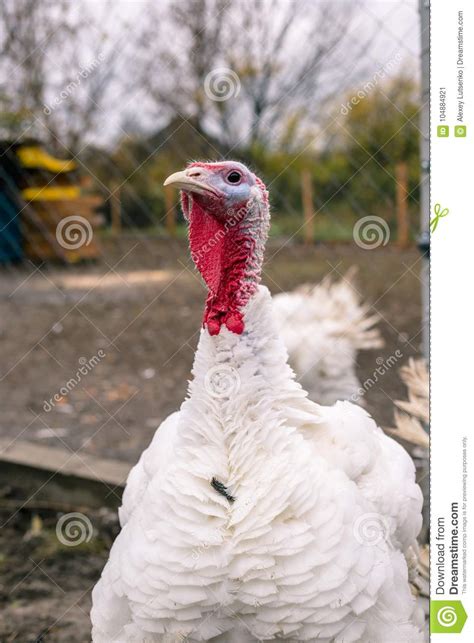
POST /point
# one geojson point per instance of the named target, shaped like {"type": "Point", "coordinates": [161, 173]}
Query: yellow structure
{"type": "Point", "coordinates": [51, 193]}
{"type": "Point", "coordinates": [58, 197]}
{"type": "Point", "coordinates": [33, 156]}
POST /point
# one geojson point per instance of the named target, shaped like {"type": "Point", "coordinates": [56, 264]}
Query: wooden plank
{"type": "Point", "coordinates": [54, 211]}
{"type": "Point", "coordinates": [40, 220]}
{"type": "Point", "coordinates": [47, 474]}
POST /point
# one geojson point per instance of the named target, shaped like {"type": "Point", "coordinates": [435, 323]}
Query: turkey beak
{"type": "Point", "coordinates": [192, 180]}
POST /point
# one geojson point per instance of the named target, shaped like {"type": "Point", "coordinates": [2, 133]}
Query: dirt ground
{"type": "Point", "coordinates": [136, 315]}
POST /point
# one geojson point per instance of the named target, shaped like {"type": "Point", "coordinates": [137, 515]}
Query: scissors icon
{"type": "Point", "coordinates": [439, 214]}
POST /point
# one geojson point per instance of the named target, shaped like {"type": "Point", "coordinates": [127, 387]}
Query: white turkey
{"type": "Point", "coordinates": [256, 514]}
{"type": "Point", "coordinates": [323, 327]}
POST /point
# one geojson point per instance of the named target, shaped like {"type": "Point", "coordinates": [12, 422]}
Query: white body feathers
{"type": "Point", "coordinates": [314, 546]}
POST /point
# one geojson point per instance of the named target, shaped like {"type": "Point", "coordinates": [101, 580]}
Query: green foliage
{"type": "Point", "coordinates": [14, 123]}
{"type": "Point", "coordinates": [379, 132]}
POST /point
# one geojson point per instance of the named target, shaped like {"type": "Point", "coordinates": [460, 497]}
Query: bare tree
{"type": "Point", "coordinates": [280, 58]}
{"type": "Point", "coordinates": [246, 72]}
{"type": "Point", "coordinates": [282, 62]}
{"type": "Point", "coordinates": [176, 46]}
{"type": "Point", "coordinates": [58, 61]}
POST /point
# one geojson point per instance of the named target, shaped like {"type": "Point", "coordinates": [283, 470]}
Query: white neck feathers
{"type": "Point", "coordinates": [242, 395]}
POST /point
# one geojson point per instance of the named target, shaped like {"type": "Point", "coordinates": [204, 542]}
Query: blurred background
{"type": "Point", "coordinates": [100, 303]}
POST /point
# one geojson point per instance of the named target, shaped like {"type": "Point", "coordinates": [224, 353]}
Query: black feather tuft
{"type": "Point", "coordinates": [222, 489]}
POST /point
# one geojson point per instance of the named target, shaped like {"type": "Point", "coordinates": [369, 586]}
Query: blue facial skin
{"type": "Point", "coordinates": [219, 188]}
{"type": "Point", "coordinates": [233, 192]}
{"type": "Point", "coordinates": [237, 193]}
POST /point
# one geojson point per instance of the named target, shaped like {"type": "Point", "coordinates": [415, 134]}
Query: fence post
{"type": "Point", "coordinates": [170, 221]}
{"type": "Point", "coordinates": [115, 209]}
{"type": "Point", "coordinates": [403, 228]}
{"type": "Point", "coordinates": [308, 212]}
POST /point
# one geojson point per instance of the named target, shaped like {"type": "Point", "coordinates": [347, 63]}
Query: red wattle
{"type": "Point", "coordinates": [235, 323]}
{"type": "Point", "coordinates": [221, 250]}
{"type": "Point", "coordinates": [213, 327]}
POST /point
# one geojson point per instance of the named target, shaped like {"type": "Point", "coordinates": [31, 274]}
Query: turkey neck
{"type": "Point", "coordinates": [242, 396]}
{"type": "Point", "coordinates": [227, 247]}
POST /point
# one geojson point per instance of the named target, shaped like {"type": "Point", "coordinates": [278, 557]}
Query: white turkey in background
{"type": "Point", "coordinates": [412, 418]}
{"type": "Point", "coordinates": [323, 327]}
{"type": "Point", "coordinates": [256, 514]}
{"type": "Point", "coordinates": [413, 415]}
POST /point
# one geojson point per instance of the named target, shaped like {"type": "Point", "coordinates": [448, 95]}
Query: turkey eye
{"type": "Point", "coordinates": [233, 177]}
